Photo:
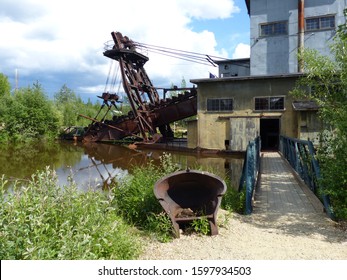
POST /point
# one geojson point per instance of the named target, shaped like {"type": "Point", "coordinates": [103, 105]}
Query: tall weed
{"type": "Point", "coordinates": [43, 221]}
{"type": "Point", "coordinates": [135, 201]}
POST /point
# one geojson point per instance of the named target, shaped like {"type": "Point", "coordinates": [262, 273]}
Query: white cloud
{"type": "Point", "coordinates": [242, 51]}
{"type": "Point", "coordinates": [207, 9]}
{"type": "Point", "coordinates": [63, 36]}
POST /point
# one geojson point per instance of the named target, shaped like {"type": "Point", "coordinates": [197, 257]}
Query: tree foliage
{"type": "Point", "coordinates": [326, 83]}
{"type": "Point", "coordinates": [5, 89]}
{"type": "Point", "coordinates": [5, 86]}
{"type": "Point", "coordinates": [29, 114]}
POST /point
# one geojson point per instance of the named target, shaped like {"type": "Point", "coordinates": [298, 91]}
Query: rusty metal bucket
{"type": "Point", "coordinates": [189, 195]}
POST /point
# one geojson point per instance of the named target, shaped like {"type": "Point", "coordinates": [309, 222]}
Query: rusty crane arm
{"type": "Point", "coordinates": [148, 111]}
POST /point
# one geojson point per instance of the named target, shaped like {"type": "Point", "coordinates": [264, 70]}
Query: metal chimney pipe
{"type": "Point", "coordinates": [301, 33]}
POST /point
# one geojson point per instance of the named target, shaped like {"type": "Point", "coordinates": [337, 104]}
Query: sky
{"type": "Point", "coordinates": [61, 42]}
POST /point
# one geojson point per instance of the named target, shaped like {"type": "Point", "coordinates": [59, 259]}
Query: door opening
{"type": "Point", "coordinates": [269, 134]}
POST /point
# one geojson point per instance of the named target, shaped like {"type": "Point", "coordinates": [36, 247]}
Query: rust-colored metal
{"type": "Point", "coordinates": [148, 111]}
{"type": "Point", "coordinates": [110, 130]}
{"type": "Point", "coordinates": [190, 195]}
{"type": "Point", "coordinates": [301, 33]}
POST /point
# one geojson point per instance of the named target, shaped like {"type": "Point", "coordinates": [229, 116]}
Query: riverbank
{"type": "Point", "coordinates": [269, 236]}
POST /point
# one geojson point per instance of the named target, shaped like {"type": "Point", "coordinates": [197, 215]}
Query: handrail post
{"type": "Point", "coordinates": [250, 170]}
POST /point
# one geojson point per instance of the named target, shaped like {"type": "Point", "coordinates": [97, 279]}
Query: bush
{"type": "Point", "coordinates": [234, 201]}
{"type": "Point", "coordinates": [135, 201]}
{"type": "Point", "coordinates": [43, 221]}
{"type": "Point", "coordinates": [332, 157]}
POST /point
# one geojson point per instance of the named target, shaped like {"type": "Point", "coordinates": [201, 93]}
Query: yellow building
{"type": "Point", "coordinates": [233, 111]}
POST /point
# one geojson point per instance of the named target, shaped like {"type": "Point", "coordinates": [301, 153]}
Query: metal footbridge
{"type": "Point", "coordinates": [283, 182]}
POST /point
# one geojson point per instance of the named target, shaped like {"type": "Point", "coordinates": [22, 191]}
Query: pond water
{"type": "Point", "coordinates": [96, 165]}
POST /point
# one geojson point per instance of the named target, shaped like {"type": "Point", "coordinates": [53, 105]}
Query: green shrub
{"type": "Point", "coordinates": [201, 226]}
{"type": "Point", "coordinates": [43, 221]}
{"type": "Point", "coordinates": [135, 201]}
{"type": "Point", "coordinates": [234, 201]}
{"type": "Point", "coordinates": [160, 225]}
{"type": "Point", "coordinates": [334, 174]}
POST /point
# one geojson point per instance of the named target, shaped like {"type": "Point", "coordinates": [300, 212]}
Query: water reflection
{"type": "Point", "coordinates": [96, 165]}
{"type": "Point", "coordinates": [100, 165]}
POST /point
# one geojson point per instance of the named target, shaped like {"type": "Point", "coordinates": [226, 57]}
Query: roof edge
{"type": "Point", "coordinates": [248, 6]}
{"type": "Point", "coordinates": [244, 78]}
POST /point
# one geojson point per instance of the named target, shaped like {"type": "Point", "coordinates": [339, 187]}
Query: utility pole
{"type": "Point", "coordinates": [16, 80]}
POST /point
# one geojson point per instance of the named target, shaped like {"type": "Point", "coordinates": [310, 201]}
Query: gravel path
{"type": "Point", "coordinates": [258, 237]}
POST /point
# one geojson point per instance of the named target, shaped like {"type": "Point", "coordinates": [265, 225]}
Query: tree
{"type": "Point", "coordinates": [67, 104]}
{"type": "Point", "coordinates": [326, 83]}
{"type": "Point", "coordinates": [30, 114]}
{"type": "Point", "coordinates": [5, 87]}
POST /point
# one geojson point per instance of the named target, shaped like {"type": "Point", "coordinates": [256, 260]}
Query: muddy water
{"type": "Point", "coordinates": [96, 165]}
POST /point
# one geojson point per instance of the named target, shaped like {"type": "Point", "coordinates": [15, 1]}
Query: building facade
{"type": "Point", "coordinates": [238, 106]}
{"type": "Point", "coordinates": [278, 29]}
{"type": "Point", "coordinates": [233, 111]}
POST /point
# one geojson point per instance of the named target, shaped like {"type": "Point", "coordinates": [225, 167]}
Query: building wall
{"type": "Point", "coordinates": [192, 134]}
{"type": "Point", "coordinates": [234, 68]}
{"type": "Point", "coordinates": [309, 126]}
{"type": "Point", "coordinates": [233, 130]}
{"type": "Point", "coordinates": [278, 54]}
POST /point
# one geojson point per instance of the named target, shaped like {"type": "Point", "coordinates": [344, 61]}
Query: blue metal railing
{"type": "Point", "coordinates": [250, 170]}
{"type": "Point", "coordinates": [301, 156]}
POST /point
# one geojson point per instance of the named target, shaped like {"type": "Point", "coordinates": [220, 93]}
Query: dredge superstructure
{"type": "Point", "coordinates": [149, 112]}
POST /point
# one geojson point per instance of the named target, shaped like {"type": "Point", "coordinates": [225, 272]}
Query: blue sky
{"type": "Point", "coordinates": [57, 42]}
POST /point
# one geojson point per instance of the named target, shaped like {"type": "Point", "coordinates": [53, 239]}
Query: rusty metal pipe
{"type": "Point", "coordinates": [301, 33]}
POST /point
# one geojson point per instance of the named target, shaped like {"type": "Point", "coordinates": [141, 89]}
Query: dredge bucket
{"type": "Point", "coordinates": [189, 195]}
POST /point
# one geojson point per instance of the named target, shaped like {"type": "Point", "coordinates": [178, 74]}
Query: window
{"type": "Point", "coordinates": [320, 23]}
{"type": "Point", "coordinates": [216, 105]}
{"type": "Point", "coordinates": [275, 28]}
{"type": "Point", "coordinates": [269, 103]}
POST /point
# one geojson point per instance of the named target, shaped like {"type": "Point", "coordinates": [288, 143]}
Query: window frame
{"type": "Point", "coordinates": [320, 19]}
{"type": "Point", "coordinates": [269, 106]}
{"type": "Point", "coordinates": [273, 28]}
{"type": "Point", "coordinates": [219, 109]}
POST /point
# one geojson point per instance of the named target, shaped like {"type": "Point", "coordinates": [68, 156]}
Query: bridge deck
{"type": "Point", "coordinates": [280, 191]}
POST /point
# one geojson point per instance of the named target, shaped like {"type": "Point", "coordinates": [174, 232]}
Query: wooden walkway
{"type": "Point", "coordinates": [281, 191]}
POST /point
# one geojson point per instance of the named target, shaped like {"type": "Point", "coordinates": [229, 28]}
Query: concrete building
{"type": "Point", "coordinates": [233, 111]}
{"type": "Point", "coordinates": [239, 105]}
{"type": "Point", "coordinates": [278, 29]}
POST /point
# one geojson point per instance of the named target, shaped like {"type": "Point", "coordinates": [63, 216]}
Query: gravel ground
{"type": "Point", "coordinates": [262, 236]}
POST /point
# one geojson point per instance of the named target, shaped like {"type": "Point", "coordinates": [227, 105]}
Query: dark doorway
{"type": "Point", "coordinates": [269, 133]}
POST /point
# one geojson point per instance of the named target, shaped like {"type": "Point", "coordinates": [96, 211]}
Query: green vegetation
{"type": "Point", "coordinates": [40, 220]}
{"type": "Point", "coordinates": [43, 221]}
{"type": "Point", "coordinates": [29, 114]}
{"type": "Point", "coordinates": [234, 201]}
{"type": "Point", "coordinates": [326, 83]}
{"type": "Point", "coordinates": [135, 201]}
{"type": "Point", "coordinates": [26, 114]}
{"type": "Point", "coordinates": [201, 225]}
{"type": "Point", "coordinates": [69, 106]}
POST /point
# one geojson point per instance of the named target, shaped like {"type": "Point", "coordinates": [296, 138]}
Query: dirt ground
{"type": "Point", "coordinates": [262, 236]}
